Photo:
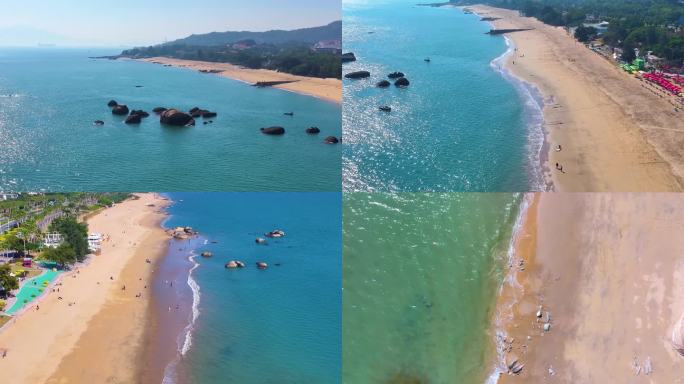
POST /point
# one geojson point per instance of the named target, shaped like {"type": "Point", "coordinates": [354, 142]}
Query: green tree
{"type": "Point", "coordinates": [7, 282]}
{"type": "Point", "coordinates": [64, 255]}
{"type": "Point", "coordinates": [75, 234]}
{"type": "Point", "coordinates": [584, 34]}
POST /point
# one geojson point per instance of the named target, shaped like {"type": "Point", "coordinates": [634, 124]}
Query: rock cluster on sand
{"type": "Point", "coordinates": [181, 233]}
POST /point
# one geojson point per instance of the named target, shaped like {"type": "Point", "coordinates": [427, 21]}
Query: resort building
{"type": "Point", "coordinates": [94, 242]}
{"type": "Point", "coordinates": [52, 240]}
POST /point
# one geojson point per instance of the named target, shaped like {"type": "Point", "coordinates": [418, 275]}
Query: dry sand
{"type": "Point", "coordinates": [616, 135]}
{"type": "Point", "coordinates": [327, 89]}
{"type": "Point", "coordinates": [99, 338]}
{"type": "Point", "coordinates": [608, 270]}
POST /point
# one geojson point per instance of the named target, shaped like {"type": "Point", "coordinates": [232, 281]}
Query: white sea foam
{"type": "Point", "coordinates": [187, 343]}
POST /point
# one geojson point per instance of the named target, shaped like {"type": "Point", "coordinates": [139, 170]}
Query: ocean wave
{"type": "Point", "coordinates": [500, 333]}
{"type": "Point", "coordinates": [192, 283]}
{"type": "Point", "coordinates": [533, 105]}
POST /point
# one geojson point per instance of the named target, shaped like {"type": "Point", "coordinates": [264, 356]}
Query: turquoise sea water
{"type": "Point", "coordinates": [279, 325]}
{"type": "Point", "coordinates": [420, 278]}
{"type": "Point", "coordinates": [31, 290]}
{"type": "Point", "coordinates": [459, 126]}
{"type": "Point", "coordinates": [50, 97]}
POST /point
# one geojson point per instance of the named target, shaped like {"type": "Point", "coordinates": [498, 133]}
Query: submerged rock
{"type": "Point", "coordinates": [395, 75]}
{"type": "Point", "coordinates": [235, 264]}
{"type": "Point", "coordinates": [357, 75]}
{"type": "Point", "coordinates": [331, 140]}
{"type": "Point", "coordinates": [120, 110]}
{"type": "Point", "coordinates": [273, 130]}
{"type": "Point", "coordinates": [112, 103]}
{"type": "Point", "coordinates": [402, 82]}
{"type": "Point", "coordinates": [261, 265]}
{"type": "Point", "coordinates": [206, 254]}
{"type": "Point", "coordinates": [260, 240]}
{"type": "Point", "coordinates": [313, 130]}
{"type": "Point", "coordinates": [133, 119]}
{"type": "Point", "coordinates": [139, 112]}
{"type": "Point", "coordinates": [382, 84]}
{"type": "Point", "coordinates": [385, 108]}
{"type": "Point", "coordinates": [176, 118]}
{"type": "Point", "coordinates": [98, 122]}
{"type": "Point", "coordinates": [159, 110]}
{"type": "Point", "coordinates": [348, 57]}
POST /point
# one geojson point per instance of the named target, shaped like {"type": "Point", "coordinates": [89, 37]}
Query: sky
{"type": "Point", "coordinates": [146, 22]}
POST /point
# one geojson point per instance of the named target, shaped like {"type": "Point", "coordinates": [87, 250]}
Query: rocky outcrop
{"type": "Point", "coordinates": [261, 265]}
{"type": "Point", "coordinates": [112, 103]}
{"type": "Point", "coordinates": [133, 119]}
{"type": "Point", "coordinates": [235, 264]}
{"type": "Point", "coordinates": [275, 233]}
{"type": "Point", "coordinates": [313, 130]}
{"type": "Point", "coordinates": [385, 108]}
{"type": "Point", "coordinates": [273, 131]}
{"type": "Point", "coordinates": [176, 118]}
{"type": "Point", "coordinates": [357, 75]}
{"type": "Point", "coordinates": [395, 75]}
{"type": "Point", "coordinates": [331, 140]}
{"type": "Point", "coordinates": [120, 110]}
{"type": "Point", "coordinates": [159, 110]}
{"type": "Point", "coordinates": [98, 122]}
{"type": "Point", "coordinates": [207, 114]}
{"type": "Point", "coordinates": [383, 84]}
{"type": "Point", "coordinates": [348, 57]}
{"type": "Point", "coordinates": [139, 112]}
{"type": "Point", "coordinates": [402, 82]}
{"type": "Point", "coordinates": [206, 254]}
{"type": "Point", "coordinates": [260, 240]}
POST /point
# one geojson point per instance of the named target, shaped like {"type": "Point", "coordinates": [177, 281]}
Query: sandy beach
{"type": "Point", "coordinates": [615, 133]}
{"type": "Point", "coordinates": [606, 270]}
{"type": "Point", "coordinates": [327, 89]}
{"type": "Point", "coordinates": [100, 337]}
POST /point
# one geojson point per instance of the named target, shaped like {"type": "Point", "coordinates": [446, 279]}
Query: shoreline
{"type": "Point", "coordinates": [78, 343]}
{"type": "Point", "coordinates": [586, 257]}
{"type": "Point", "coordinates": [327, 89]}
{"type": "Point", "coordinates": [610, 140]}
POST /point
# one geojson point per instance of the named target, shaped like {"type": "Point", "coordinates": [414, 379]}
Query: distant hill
{"type": "Point", "coordinates": [332, 31]}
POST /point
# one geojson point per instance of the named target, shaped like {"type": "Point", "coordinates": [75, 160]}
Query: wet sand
{"type": "Point", "coordinates": [101, 337]}
{"type": "Point", "coordinates": [327, 89]}
{"type": "Point", "coordinates": [616, 134]}
{"type": "Point", "coordinates": [607, 269]}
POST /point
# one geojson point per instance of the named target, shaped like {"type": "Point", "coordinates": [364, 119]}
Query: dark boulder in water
{"type": "Point", "coordinates": [140, 113]}
{"type": "Point", "coordinates": [357, 75]}
{"type": "Point", "coordinates": [207, 114]}
{"type": "Point", "coordinates": [98, 122]}
{"type": "Point", "coordinates": [176, 117]}
{"type": "Point", "coordinates": [386, 108]}
{"type": "Point", "coordinates": [313, 130]}
{"type": "Point", "coordinates": [331, 140]}
{"type": "Point", "coordinates": [402, 82]}
{"type": "Point", "coordinates": [382, 84]}
{"type": "Point", "coordinates": [348, 57]}
{"type": "Point", "coordinates": [133, 119]}
{"type": "Point", "coordinates": [395, 75]}
{"type": "Point", "coordinates": [273, 130]}
{"type": "Point", "coordinates": [112, 103]}
{"type": "Point", "coordinates": [120, 110]}
{"type": "Point", "coordinates": [261, 265]}
{"type": "Point", "coordinates": [159, 110]}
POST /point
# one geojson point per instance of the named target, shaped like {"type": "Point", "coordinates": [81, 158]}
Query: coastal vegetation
{"type": "Point", "coordinates": [8, 282]}
{"type": "Point", "coordinates": [314, 52]}
{"type": "Point", "coordinates": [75, 240]}
{"type": "Point", "coordinates": [649, 25]}
{"type": "Point", "coordinates": [294, 58]}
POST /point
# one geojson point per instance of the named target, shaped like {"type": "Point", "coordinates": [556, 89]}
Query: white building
{"type": "Point", "coordinates": [52, 240]}
{"type": "Point", "coordinates": [94, 242]}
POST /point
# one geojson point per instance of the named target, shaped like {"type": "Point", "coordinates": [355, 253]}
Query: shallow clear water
{"type": "Point", "coordinates": [420, 276]}
{"type": "Point", "coordinates": [459, 126]}
{"type": "Point", "coordinates": [49, 99]}
{"type": "Point", "coordinates": [279, 325]}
